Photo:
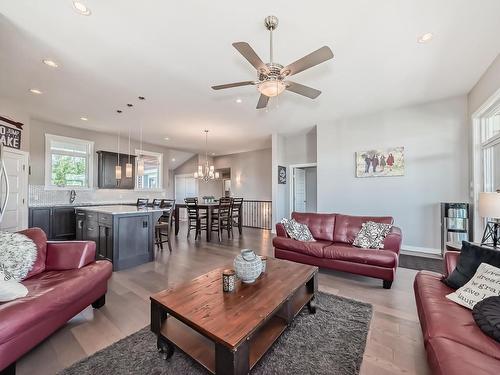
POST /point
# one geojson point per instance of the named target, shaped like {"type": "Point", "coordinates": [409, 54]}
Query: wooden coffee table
{"type": "Point", "coordinates": [228, 333]}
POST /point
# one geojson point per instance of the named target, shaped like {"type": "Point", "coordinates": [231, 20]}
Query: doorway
{"type": "Point", "coordinates": [303, 192]}
{"type": "Point", "coordinates": [15, 217]}
{"type": "Point", "coordinates": [186, 186]}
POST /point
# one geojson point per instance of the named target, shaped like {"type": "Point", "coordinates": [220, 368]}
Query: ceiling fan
{"type": "Point", "coordinates": [272, 77]}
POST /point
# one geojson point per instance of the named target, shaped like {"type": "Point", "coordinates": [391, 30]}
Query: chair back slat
{"type": "Point", "coordinates": [192, 208]}
{"type": "Point", "coordinates": [142, 202]}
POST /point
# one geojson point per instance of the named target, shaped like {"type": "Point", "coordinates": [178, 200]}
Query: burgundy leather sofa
{"type": "Point", "coordinates": [334, 235]}
{"type": "Point", "coordinates": [454, 343]}
{"type": "Point", "coordinates": [65, 280]}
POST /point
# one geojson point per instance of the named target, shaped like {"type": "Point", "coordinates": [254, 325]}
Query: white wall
{"type": "Point", "coordinates": [487, 85]}
{"type": "Point", "coordinates": [435, 137]}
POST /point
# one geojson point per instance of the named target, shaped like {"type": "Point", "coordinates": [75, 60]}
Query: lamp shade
{"type": "Point", "coordinates": [489, 205]}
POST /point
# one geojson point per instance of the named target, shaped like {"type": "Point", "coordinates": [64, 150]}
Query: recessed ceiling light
{"type": "Point", "coordinates": [81, 8]}
{"type": "Point", "coordinates": [50, 63]}
{"type": "Point", "coordinates": [239, 100]}
{"type": "Point", "coordinates": [173, 159]}
{"type": "Point", "coordinates": [213, 153]}
{"type": "Point", "coordinates": [166, 138]}
{"type": "Point", "coordinates": [427, 37]}
{"type": "Point", "coordinates": [84, 118]}
{"type": "Point", "coordinates": [36, 91]}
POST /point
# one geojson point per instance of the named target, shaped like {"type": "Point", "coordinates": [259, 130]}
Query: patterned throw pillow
{"type": "Point", "coordinates": [372, 235]}
{"type": "Point", "coordinates": [297, 231]}
{"type": "Point", "coordinates": [485, 283]}
{"type": "Point", "coordinates": [17, 255]}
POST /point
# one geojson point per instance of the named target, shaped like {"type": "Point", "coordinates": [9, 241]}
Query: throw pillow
{"type": "Point", "coordinates": [471, 256]}
{"type": "Point", "coordinates": [372, 235]}
{"type": "Point", "coordinates": [10, 289]}
{"type": "Point", "coordinates": [485, 283]}
{"type": "Point", "coordinates": [297, 231]}
{"type": "Point", "coordinates": [17, 254]}
{"type": "Point", "coordinates": [487, 316]}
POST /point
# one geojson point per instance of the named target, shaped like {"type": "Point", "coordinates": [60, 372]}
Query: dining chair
{"type": "Point", "coordinates": [236, 213]}
{"type": "Point", "coordinates": [196, 221]}
{"type": "Point", "coordinates": [163, 227]}
{"type": "Point", "coordinates": [157, 202]}
{"type": "Point", "coordinates": [142, 202]}
{"type": "Point", "coordinates": [221, 218]}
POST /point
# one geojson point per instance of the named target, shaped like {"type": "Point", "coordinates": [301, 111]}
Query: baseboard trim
{"type": "Point", "coordinates": [418, 249]}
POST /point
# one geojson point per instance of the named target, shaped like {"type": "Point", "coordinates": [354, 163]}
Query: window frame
{"type": "Point", "coordinates": [159, 155]}
{"type": "Point", "coordinates": [48, 162]}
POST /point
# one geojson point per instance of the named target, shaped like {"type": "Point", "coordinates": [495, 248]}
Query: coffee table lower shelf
{"type": "Point", "coordinates": [202, 349]}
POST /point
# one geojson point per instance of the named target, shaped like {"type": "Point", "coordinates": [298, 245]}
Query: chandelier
{"type": "Point", "coordinates": [206, 172]}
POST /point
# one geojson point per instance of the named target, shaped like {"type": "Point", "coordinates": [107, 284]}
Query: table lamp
{"type": "Point", "coordinates": [489, 207]}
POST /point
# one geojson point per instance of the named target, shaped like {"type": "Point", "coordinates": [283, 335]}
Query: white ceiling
{"type": "Point", "coordinates": [172, 52]}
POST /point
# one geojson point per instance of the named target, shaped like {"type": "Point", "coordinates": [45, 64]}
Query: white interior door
{"type": "Point", "coordinates": [185, 186]}
{"type": "Point", "coordinates": [16, 212]}
{"type": "Point", "coordinates": [299, 189]}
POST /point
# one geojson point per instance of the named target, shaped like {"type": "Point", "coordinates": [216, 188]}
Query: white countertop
{"type": "Point", "coordinates": [119, 209]}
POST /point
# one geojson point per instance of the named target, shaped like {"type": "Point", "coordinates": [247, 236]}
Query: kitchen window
{"type": "Point", "coordinates": [68, 163]}
{"type": "Point", "coordinates": [152, 165]}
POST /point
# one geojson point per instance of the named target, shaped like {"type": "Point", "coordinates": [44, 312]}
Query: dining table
{"type": "Point", "coordinates": [209, 208]}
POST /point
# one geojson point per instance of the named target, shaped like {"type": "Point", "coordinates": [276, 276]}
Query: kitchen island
{"type": "Point", "coordinates": [124, 234]}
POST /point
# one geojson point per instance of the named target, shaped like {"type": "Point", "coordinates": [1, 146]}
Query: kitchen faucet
{"type": "Point", "coordinates": [72, 196]}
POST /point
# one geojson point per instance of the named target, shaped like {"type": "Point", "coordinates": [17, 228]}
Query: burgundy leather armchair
{"type": "Point", "coordinates": [65, 279]}
{"type": "Point", "coordinates": [334, 235]}
{"type": "Point", "coordinates": [454, 343]}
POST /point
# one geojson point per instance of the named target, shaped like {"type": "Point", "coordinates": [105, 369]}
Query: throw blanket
{"type": "Point", "coordinates": [17, 255]}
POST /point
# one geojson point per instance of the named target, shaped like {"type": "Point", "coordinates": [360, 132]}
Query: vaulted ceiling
{"type": "Point", "coordinates": [172, 52]}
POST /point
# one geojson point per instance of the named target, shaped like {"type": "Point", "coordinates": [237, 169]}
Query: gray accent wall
{"type": "Point", "coordinates": [435, 137]}
{"type": "Point", "coordinates": [102, 141]}
{"type": "Point", "coordinates": [250, 173]}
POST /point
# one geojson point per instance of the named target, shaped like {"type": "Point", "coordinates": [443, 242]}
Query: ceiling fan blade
{"type": "Point", "coordinates": [252, 57]}
{"type": "Point", "coordinates": [302, 89]}
{"type": "Point", "coordinates": [262, 101]}
{"type": "Point", "coordinates": [308, 61]}
{"type": "Point", "coordinates": [235, 84]}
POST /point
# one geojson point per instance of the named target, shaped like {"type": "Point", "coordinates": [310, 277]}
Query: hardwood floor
{"type": "Point", "coordinates": [394, 344]}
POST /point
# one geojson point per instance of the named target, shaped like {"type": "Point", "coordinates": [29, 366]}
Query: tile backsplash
{"type": "Point", "coordinates": [39, 197]}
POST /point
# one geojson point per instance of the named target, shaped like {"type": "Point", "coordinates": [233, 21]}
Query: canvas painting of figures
{"type": "Point", "coordinates": [380, 163]}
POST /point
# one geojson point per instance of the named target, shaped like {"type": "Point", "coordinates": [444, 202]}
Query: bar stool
{"type": "Point", "coordinates": [163, 226]}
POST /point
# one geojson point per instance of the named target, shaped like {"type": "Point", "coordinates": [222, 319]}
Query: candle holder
{"type": "Point", "coordinates": [263, 259]}
{"type": "Point", "coordinates": [228, 280]}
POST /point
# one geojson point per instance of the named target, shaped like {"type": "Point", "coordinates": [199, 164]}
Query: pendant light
{"type": "Point", "coordinates": [140, 160]}
{"type": "Point", "coordinates": [118, 168]}
{"type": "Point", "coordinates": [128, 166]}
{"type": "Point", "coordinates": [206, 172]}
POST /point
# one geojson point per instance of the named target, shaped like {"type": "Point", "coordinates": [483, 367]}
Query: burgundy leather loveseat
{"type": "Point", "coordinates": [454, 343]}
{"type": "Point", "coordinates": [334, 235]}
{"type": "Point", "coordinates": [65, 280]}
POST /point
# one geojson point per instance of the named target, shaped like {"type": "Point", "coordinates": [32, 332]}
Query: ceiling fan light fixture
{"type": "Point", "coordinates": [271, 88]}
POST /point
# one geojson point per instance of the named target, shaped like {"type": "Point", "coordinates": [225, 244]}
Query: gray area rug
{"type": "Point", "coordinates": [332, 341]}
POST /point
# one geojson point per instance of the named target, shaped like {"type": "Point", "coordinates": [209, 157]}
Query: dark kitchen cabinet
{"type": "Point", "coordinates": [106, 175]}
{"type": "Point", "coordinates": [40, 217]}
{"type": "Point", "coordinates": [58, 223]}
{"type": "Point", "coordinates": [63, 223]}
{"type": "Point", "coordinates": [105, 242]}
